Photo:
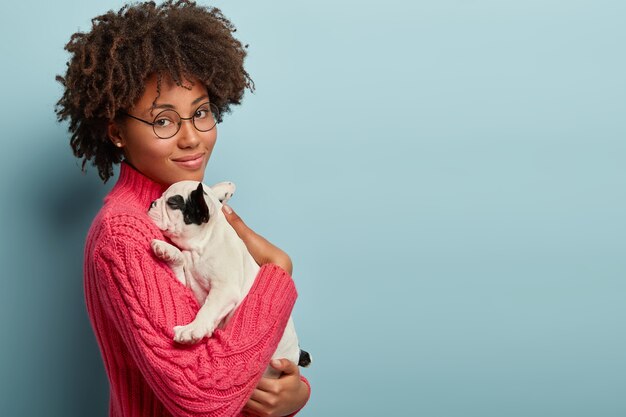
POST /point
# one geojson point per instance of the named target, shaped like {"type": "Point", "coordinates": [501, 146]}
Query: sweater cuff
{"type": "Point", "coordinates": [273, 279]}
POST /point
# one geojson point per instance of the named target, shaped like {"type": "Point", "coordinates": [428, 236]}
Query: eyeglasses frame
{"type": "Point", "coordinates": [211, 106]}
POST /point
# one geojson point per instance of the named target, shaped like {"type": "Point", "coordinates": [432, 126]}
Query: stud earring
{"type": "Point", "coordinates": [118, 144]}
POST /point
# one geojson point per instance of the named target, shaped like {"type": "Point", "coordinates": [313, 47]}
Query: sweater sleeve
{"type": "Point", "coordinates": [144, 301]}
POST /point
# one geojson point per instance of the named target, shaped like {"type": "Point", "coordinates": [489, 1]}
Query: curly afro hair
{"type": "Point", "coordinates": [108, 67]}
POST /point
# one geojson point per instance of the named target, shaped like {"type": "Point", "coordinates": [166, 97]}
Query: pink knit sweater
{"type": "Point", "coordinates": [134, 301]}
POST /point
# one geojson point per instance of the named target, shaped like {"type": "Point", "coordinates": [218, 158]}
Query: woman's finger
{"type": "Point", "coordinates": [270, 385]}
{"type": "Point", "coordinates": [254, 242]}
{"type": "Point", "coordinates": [260, 248]}
{"type": "Point", "coordinates": [236, 222]}
{"type": "Point", "coordinates": [263, 398]}
{"type": "Point", "coordinates": [254, 407]}
{"type": "Point", "coordinates": [285, 366]}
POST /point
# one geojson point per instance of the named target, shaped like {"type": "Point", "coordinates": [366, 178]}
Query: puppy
{"type": "Point", "coordinates": [211, 260]}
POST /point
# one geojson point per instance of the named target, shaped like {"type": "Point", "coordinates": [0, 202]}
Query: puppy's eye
{"type": "Point", "coordinates": [176, 202]}
{"type": "Point", "coordinates": [153, 204]}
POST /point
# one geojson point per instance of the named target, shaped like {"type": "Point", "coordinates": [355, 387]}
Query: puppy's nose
{"type": "Point", "coordinates": [153, 204]}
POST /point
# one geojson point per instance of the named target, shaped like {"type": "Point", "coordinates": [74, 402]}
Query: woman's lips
{"type": "Point", "coordinates": [191, 161]}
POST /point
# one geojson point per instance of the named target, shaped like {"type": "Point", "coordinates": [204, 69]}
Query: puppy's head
{"type": "Point", "coordinates": [183, 209]}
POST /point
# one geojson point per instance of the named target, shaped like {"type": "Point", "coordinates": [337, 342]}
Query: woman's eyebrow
{"type": "Point", "coordinates": [170, 106]}
{"type": "Point", "coordinates": [199, 99]}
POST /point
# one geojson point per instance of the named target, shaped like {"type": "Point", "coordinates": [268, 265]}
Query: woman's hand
{"type": "Point", "coordinates": [279, 397]}
{"type": "Point", "coordinates": [287, 394]}
{"type": "Point", "coordinates": [261, 250]}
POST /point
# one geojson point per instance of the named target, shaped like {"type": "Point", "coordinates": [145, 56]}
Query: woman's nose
{"type": "Point", "coordinates": [188, 135]}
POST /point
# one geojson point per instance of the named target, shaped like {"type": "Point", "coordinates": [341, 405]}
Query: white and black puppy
{"type": "Point", "coordinates": [210, 259]}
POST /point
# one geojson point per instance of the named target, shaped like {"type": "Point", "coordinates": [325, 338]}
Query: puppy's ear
{"type": "Point", "coordinates": [196, 210]}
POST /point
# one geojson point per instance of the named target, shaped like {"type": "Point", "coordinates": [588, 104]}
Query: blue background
{"type": "Point", "coordinates": [448, 177]}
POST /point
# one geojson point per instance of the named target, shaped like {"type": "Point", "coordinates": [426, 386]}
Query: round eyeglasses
{"type": "Point", "coordinates": [167, 123]}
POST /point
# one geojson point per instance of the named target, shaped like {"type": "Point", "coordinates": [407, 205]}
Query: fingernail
{"type": "Point", "coordinates": [227, 208]}
{"type": "Point", "coordinates": [275, 363]}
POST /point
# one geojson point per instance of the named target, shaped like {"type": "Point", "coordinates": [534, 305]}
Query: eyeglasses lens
{"type": "Point", "coordinates": [204, 119]}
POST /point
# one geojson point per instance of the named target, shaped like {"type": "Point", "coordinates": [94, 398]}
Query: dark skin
{"type": "Point", "coordinates": [109, 66]}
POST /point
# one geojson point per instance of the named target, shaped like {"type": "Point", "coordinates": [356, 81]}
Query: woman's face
{"type": "Point", "coordinates": [185, 155]}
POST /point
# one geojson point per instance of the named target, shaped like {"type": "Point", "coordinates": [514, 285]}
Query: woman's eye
{"type": "Point", "coordinates": [201, 113]}
{"type": "Point", "coordinates": [162, 122]}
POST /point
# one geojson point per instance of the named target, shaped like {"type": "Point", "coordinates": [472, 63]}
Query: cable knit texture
{"type": "Point", "coordinates": [134, 301]}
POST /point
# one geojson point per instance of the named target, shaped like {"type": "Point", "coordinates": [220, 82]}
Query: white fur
{"type": "Point", "coordinates": [213, 262]}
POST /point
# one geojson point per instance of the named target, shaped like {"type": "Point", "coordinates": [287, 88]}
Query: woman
{"type": "Point", "coordinates": [145, 88]}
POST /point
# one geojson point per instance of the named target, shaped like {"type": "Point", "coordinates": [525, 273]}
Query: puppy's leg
{"type": "Point", "coordinates": [172, 256]}
{"type": "Point", "coordinates": [219, 302]}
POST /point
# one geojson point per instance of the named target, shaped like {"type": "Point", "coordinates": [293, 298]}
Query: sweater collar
{"type": "Point", "coordinates": [133, 185]}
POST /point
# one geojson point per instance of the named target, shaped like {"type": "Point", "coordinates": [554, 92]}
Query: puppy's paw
{"type": "Point", "coordinates": [169, 253]}
{"type": "Point", "coordinates": [224, 190]}
{"type": "Point", "coordinates": [305, 359]}
{"type": "Point", "coordinates": [191, 333]}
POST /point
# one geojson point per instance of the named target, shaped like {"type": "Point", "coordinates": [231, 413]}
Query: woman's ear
{"type": "Point", "coordinates": [115, 134]}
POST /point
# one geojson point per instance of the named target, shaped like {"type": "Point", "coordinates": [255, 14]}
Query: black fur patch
{"type": "Point", "coordinates": [305, 359]}
{"type": "Point", "coordinates": [195, 209]}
